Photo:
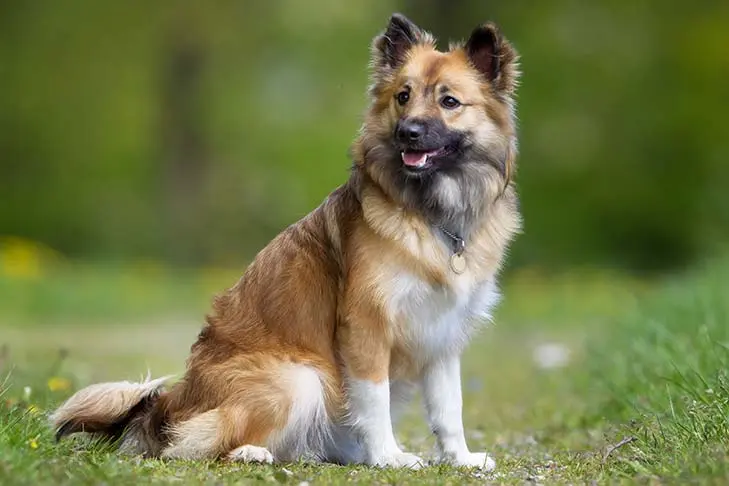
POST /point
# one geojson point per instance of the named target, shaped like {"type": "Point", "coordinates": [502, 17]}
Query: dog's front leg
{"type": "Point", "coordinates": [369, 409]}
{"type": "Point", "coordinates": [444, 407]}
{"type": "Point", "coordinates": [366, 354]}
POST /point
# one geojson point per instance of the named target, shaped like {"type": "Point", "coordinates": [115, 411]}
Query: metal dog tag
{"type": "Point", "coordinates": [458, 263]}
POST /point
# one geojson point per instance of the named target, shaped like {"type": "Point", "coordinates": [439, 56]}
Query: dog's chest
{"type": "Point", "coordinates": [430, 320]}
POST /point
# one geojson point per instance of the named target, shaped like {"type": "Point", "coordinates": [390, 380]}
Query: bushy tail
{"type": "Point", "coordinates": [118, 410]}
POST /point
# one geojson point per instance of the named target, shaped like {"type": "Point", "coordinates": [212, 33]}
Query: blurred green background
{"type": "Point", "coordinates": [189, 133]}
{"type": "Point", "coordinates": [149, 149]}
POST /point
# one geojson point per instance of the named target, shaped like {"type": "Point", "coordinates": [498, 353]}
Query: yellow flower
{"type": "Point", "coordinates": [25, 259]}
{"type": "Point", "coordinates": [33, 443]}
{"type": "Point", "coordinates": [57, 383]}
{"type": "Point", "coordinates": [20, 258]}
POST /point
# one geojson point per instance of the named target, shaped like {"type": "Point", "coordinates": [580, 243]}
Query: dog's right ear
{"type": "Point", "coordinates": [390, 48]}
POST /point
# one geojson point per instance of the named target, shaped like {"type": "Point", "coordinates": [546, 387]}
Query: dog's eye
{"type": "Point", "coordinates": [403, 97]}
{"type": "Point", "coordinates": [450, 102]}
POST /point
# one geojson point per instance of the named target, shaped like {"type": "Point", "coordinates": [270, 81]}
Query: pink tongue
{"type": "Point", "coordinates": [415, 159]}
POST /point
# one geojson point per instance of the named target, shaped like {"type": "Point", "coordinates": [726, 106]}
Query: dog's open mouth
{"type": "Point", "coordinates": [420, 159]}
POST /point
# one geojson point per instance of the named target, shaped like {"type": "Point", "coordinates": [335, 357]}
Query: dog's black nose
{"type": "Point", "coordinates": [410, 130]}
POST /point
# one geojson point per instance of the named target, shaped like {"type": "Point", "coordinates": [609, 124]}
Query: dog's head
{"type": "Point", "coordinates": [440, 130]}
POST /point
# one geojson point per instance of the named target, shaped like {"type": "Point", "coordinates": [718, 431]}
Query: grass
{"type": "Point", "coordinates": [573, 366]}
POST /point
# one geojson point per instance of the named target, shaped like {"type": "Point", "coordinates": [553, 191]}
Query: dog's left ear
{"type": "Point", "coordinates": [494, 57]}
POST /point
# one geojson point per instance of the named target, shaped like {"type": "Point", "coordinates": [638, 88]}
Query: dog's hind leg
{"type": "Point", "coordinates": [200, 437]}
{"type": "Point", "coordinates": [250, 453]}
{"type": "Point", "coordinates": [307, 433]}
{"type": "Point", "coordinates": [279, 414]}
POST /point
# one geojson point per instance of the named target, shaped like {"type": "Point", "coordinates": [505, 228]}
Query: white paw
{"type": "Point", "coordinates": [400, 460]}
{"type": "Point", "coordinates": [251, 453]}
{"type": "Point", "coordinates": [480, 460]}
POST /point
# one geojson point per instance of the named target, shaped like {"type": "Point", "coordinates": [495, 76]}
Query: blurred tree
{"type": "Point", "coordinates": [185, 159]}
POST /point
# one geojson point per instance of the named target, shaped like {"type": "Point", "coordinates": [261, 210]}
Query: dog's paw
{"type": "Point", "coordinates": [251, 453]}
{"type": "Point", "coordinates": [400, 460]}
{"type": "Point", "coordinates": [480, 460]}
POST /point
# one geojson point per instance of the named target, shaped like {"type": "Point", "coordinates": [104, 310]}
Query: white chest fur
{"type": "Point", "coordinates": [428, 319]}
{"type": "Point", "coordinates": [433, 321]}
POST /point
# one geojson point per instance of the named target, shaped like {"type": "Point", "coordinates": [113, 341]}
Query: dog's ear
{"type": "Point", "coordinates": [390, 48]}
{"type": "Point", "coordinates": [494, 57]}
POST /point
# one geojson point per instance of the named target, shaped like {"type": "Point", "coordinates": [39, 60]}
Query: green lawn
{"type": "Point", "coordinates": [573, 366]}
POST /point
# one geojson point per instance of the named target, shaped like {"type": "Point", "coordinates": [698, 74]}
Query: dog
{"type": "Point", "coordinates": [372, 295]}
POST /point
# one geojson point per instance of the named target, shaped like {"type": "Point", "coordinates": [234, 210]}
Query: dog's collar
{"type": "Point", "coordinates": [459, 244]}
{"type": "Point", "coordinates": [457, 260]}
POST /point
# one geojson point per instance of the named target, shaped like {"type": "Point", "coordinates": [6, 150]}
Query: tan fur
{"type": "Point", "coordinates": [317, 298]}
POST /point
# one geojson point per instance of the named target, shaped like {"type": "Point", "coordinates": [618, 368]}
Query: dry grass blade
{"type": "Point", "coordinates": [615, 447]}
